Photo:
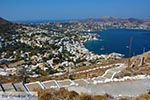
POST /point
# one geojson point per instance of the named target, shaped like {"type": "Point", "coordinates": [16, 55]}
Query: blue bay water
{"type": "Point", "coordinates": [118, 40]}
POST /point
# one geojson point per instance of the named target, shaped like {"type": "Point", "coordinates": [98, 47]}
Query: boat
{"type": "Point", "coordinates": [102, 48]}
{"type": "Point", "coordinates": [101, 39]}
{"type": "Point", "coordinates": [127, 47]}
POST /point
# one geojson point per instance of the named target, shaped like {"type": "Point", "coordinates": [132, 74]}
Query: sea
{"type": "Point", "coordinates": [118, 40]}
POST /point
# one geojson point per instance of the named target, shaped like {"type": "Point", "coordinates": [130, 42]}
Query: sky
{"type": "Point", "coordinates": [73, 9]}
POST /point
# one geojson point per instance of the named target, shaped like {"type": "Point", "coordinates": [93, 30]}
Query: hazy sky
{"type": "Point", "coordinates": [72, 9]}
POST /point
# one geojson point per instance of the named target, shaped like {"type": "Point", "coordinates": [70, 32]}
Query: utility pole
{"type": "Point", "coordinates": [142, 58]}
{"type": "Point", "coordinates": [130, 48]}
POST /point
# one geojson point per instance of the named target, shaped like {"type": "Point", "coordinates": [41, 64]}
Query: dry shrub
{"type": "Point", "coordinates": [63, 93]}
{"type": "Point", "coordinates": [67, 95]}
{"type": "Point", "coordinates": [124, 99]}
{"type": "Point", "coordinates": [45, 95]}
{"type": "Point", "coordinates": [73, 95]}
{"type": "Point", "coordinates": [143, 97]}
{"type": "Point", "coordinates": [84, 96]}
{"type": "Point", "coordinates": [99, 97]}
{"type": "Point", "coordinates": [127, 73]}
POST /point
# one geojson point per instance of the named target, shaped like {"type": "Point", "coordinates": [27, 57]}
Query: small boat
{"type": "Point", "coordinates": [102, 48]}
{"type": "Point", "coordinates": [101, 40]}
{"type": "Point", "coordinates": [127, 47]}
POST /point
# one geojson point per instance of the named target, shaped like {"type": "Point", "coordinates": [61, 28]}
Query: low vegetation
{"type": "Point", "coordinates": [64, 94]}
{"type": "Point", "coordinates": [136, 68]}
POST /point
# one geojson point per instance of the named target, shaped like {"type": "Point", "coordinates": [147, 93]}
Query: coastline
{"type": "Point", "coordinates": [104, 38]}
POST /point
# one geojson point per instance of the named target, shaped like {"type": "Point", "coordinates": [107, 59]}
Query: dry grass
{"type": "Point", "coordinates": [99, 97]}
{"type": "Point", "coordinates": [125, 98]}
{"type": "Point", "coordinates": [143, 97]}
{"type": "Point", "coordinates": [61, 94]}
{"type": "Point", "coordinates": [140, 97]}
{"type": "Point", "coordinates": [14, 79]}
{"type": "Point", "coordinates": [64, 94]}
{"type": "Point", "coordinates": [137, 69]}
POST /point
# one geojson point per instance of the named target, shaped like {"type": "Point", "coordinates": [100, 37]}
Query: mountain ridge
{"type": "Point", "coordinates": [4, 21]}
{"type": "Point", "coordinates": [117, 20]}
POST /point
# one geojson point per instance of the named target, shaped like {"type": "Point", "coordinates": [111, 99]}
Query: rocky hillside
{"type": "Point", "coordinates": [118, 20]}
{"type": "Point", "coordinates": [4, 25]}
{"type": "Point", "coordinates": [3, 21]}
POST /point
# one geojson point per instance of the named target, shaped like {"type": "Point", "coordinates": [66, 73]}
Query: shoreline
{"type": "Point", "coordinates": [98, 32]}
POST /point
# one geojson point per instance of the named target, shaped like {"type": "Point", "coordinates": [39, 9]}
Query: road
{"type": "Point", "coordinates": [126, 88]}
